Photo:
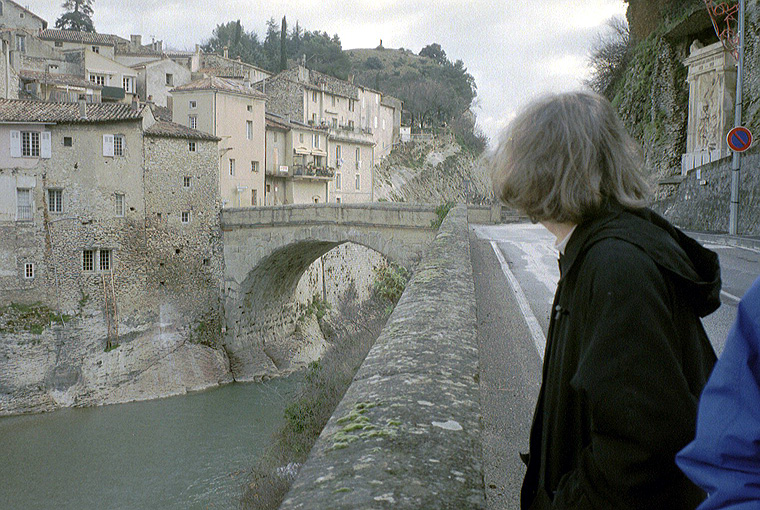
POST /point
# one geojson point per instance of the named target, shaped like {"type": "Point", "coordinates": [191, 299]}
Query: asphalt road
{"type": "Point", "coordinates": [515, 271]}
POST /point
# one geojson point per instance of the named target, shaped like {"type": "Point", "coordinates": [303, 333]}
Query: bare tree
{"type": "Point", "coordinates": [609, 55]}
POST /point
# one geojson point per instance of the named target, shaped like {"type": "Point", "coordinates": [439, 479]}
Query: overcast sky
{"type": "Point", "coordinates": [514, 49]}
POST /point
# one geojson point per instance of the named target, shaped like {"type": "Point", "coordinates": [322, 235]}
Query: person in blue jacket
{"type": "Point", "coordinates": [724, 458]}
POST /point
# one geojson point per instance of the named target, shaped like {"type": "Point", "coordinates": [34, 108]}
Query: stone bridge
{"type": "Point", "coordinates": [267, 250]}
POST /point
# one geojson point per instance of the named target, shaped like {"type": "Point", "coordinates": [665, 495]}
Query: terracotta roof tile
{"type": "Point", "coordinates": [223, 84]}
{"type": "Point", "coordinates": [17, 110]}
{"type": "Point", "coordinates": [52, 34]}
{"type": "Point", "coordinates": [172, 130]}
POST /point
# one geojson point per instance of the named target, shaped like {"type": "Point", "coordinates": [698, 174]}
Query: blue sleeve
{"type": "Point", "coordinates": [724, 458]}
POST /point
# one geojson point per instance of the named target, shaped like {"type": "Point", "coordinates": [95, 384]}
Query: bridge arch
{"type": "Point", "coordinates": [268, 250]}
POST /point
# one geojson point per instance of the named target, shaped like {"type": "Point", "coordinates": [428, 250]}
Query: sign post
{"type": "Point", "coordinates": [736, 163]}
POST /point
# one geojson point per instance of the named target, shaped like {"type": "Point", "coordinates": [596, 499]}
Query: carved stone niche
{"type": "Point", "coordinates": [712, 89]}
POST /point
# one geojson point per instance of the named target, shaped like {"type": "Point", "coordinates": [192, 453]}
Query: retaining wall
{"type": "Point", "coordinates": [407, 433]}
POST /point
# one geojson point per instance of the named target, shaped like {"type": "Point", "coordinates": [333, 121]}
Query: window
{"type": "Point", "coordinates": [358, 182]}
{"type": "Point", "coordinates": [191, 146]}
{"type": "Point", "coordinates": [232, 167]}
{"type": "Point", "coordinates": [186, 181]}
{"type": "Point", "coordinates": [68, 141]}
{"type": "Point", "coordinates": [254, 198]}
{"type": "Point", "coordinates": [337, 156]}
{"type": "Point", "coordinates": [337, 200]}
{"type": "Point", "coordinates": [98, 79]}
{"type": "Point", "coordinates": [104, 260]}
{"type": "Point", "coordinates": [333, 100]}
{"type": "Point", "coordinates": [118, 145]}
{"type": "Point", "coordinates": [250, 108]}
{"type": "Point", "coordinates": [249, 130]}
{"type": "Point", "coordinates": [193, 122]}
{"type": "Point", "coordinates": [59, 44]}
{"type": "Point", "coordinates": [169, 80]}
{"type": "Point", "coordinates": [351, 105]}
{"type": "Point", "coordinates": [129, 84]}
{"type": "Point", "coordinates": [358, 158]}
{"type": "Point", "coordinates": [120, 205]}
{"type": "Point", "coordinates": [316, 141]}
{"type": "Point", "coordinates": [274, 136]}
{"type": "Point", "coordinates": [24, 210]}
{"type": "Point", "coordinates": [29, 270]}
{"type": "Point", "coordinates": [114, 145]}
{"type": "Point", "coordinates": [193, 105]}
{"type": "Point", "coordinates": [21, 43]}
{"type": "Point", "coordinates": [55, 200]}
{"type": "Point", "coordinates": [88, 260]}
{"type": "Point", "coordinates": [254, 166]}
{"type": "Point", "coordinates": [96, 49]}
{"type": "Point", "coordinates": [314, 96]}
{"type": "Point", "coordinates": [350, 124]}
{"type": "Point", "coordinates": [337, 180]}
{"type": "Point", "coordinates": [30, 144]}
{"type": "Point", "coordinates": [185, 216]}
{"type": "Point", "coordinates": [300, 137]}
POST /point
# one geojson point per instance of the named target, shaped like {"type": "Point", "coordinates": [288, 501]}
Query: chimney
{"type": "Point", "coordinates": [136, 40]}
{"type": "Point", "coordinates": [82, 109]}
{"type": "Point", "coordinates": [226, 52]}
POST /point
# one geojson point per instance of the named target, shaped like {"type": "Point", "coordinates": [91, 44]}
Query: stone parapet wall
{"type": "Point", "coordinates": [703, 204]}
{"type": "Point", "coordinates": [407, 432]}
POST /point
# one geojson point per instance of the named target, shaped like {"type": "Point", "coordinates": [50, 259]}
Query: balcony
{"type": "Point", "coordinates": [313, 172]}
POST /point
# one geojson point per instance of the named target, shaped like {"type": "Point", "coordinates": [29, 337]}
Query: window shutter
{"type": "Point", "coordinates": [15, 144]}
{"type": "Point", "coordinates": [46, 150]}
{"type": "Point", "coordinates": [108, 145]}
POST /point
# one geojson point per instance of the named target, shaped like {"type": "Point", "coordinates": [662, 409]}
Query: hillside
{"type": "Point", "coordinates": [433, 172]}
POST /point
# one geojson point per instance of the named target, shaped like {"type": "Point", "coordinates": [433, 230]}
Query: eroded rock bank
{"type": "Point", "coordinates": [64, 362]}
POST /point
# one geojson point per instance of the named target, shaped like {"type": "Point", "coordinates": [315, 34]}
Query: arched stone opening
{"type": "Point", "coordinates": [263, 322]}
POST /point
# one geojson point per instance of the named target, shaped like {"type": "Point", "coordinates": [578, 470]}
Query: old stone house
{"type": "Point", "coordinates": [100, 205]}
{"type": "Point", "coordinates": [296, 163]}
{"type": "Point", "coordinates": [233, 111]}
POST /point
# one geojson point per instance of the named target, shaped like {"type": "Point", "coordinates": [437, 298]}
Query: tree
{"type": "Point", "coordinates": [609, 56]}
{"type": "Point", "coordinates": [239, 43]}
{"type": "Point", "coordinates": [435, 52]}
{"type": "Point", "coordinates": [284, 45]}
{"type": "Point", "coordinates": [78, 16]}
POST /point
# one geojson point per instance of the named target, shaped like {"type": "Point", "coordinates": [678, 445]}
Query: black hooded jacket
{"type": "Point", "coordinates": [625, 362]}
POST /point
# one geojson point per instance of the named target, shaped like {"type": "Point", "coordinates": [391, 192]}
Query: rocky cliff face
{"type": "Point", "coordinates": [433, 172]}
{"type": "Point", "coordinates": [60, 363]}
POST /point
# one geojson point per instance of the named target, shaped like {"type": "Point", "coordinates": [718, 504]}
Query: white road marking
{"type": "Point", "coordinates": [535, 328]}
{"type": "Point", "coordinates": [730, 296]}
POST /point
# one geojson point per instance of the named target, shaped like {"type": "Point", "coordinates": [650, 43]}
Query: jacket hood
{"type": "Point", "coordinates": [694, 267]}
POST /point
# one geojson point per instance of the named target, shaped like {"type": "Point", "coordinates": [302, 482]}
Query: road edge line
{"type": "Point", "coordinates": [539, 340]}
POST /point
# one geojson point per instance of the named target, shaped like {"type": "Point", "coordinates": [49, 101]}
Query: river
{"type": "Point", "coordinates": [186, 452]}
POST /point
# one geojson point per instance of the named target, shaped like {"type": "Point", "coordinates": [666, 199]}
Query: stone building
{"type": "Point", "coordinates": [296, 163]}
{"type": "Point", "coordinates": [357, 119]}
{"type": "Point", "coordinates": [233, 111]}
{"type": "Point", "coordinates": [93, 197]}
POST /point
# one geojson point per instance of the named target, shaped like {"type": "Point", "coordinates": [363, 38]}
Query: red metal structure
{"type": "Point", "coordinates": [725, 18]}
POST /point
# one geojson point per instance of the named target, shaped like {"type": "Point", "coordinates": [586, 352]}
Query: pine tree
{"type": "Point", "coordinates": [284, 45]}
{"type": "Point", "coordinates": [78, 16]}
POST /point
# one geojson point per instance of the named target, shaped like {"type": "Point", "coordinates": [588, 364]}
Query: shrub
{"type": "Point", "coordinates": [390, 281]}
{"type": "Point", "coordinates": [441, 211]}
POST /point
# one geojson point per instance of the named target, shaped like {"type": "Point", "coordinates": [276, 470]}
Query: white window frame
{"type": "Point", "coordinates": [338, 160]}
{"type": "Point", "coordinates": [21, 43]}
{"type": "Point", "coordinates": [187, 181]}
{"type": "Point", "coordinates": [249, 130]}
{"type": "Point", "coordinates": [254, 166]}
{"type": "Point", "coordinates": [121, 204]}
{"type": "Point", "coordinates": [99, 79]}
{"type": "Point", "coordinates": [185, 217]}
{"type": "Point", "coordinates": [169, 80]}
{"type": "Point", "coordinates": [358, 182]}
{"type": "Point", "coordinates": [29, 271]}
{"type": "Point", "coordinates": [129, 84]}
{"type": "Point", "coordinates": [55, 200]}
{"type": "Point", "coordinates": [118, 145]}
{"type": "Point", "coordinates": [114, 146]}
{"type": "Point", "coordinates": [192, 121]}
{"type": "Point", "coordinates": [337, 180]}
{"type": "Point", "coordinates": [232, 167]}
{"type": "Point", "coordinates": [88, 261]}
{"type": "Point", "coordinates": [96, 49]}
{"type": "Point", "coordinates": [97, 260]}
{"type": "Point", "coordinates": [24, 211]}
{"type": "Point", "coordinates": [31, 144]}
{"type": "Point", "coordinates": [193, 105]}
{"type": "Point", "coordinates": [192, 146]}
{"type": "Point", "coordinates": [105, 255]}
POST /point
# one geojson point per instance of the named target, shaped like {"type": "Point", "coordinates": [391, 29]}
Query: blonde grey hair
{"type": "Point", "coordinates": [566, 156]}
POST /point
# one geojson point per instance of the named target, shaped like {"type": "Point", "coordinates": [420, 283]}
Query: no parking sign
{"type": "Point", "coordinates": [739, 139]}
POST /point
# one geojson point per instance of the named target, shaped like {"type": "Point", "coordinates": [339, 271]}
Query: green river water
{"type": "Point", "coordinates": [186, 452]}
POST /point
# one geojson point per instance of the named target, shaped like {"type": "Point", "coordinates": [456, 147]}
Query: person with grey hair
{"type": "Point", "coordinates": [626, 354]}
